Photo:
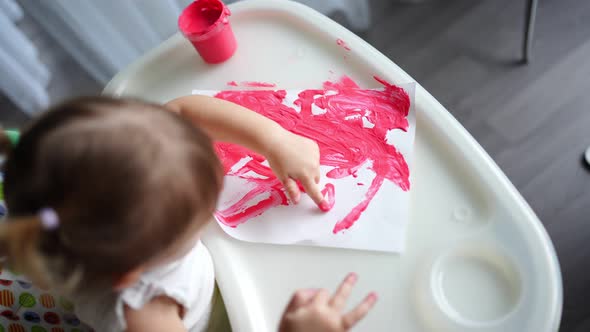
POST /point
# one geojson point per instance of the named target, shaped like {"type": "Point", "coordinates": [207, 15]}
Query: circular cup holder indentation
{"type": "Point", "coordinates": [475, 286]}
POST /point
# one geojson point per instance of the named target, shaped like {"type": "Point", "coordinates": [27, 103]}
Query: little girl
{"type": "Point", "coordinates": [107, 200]}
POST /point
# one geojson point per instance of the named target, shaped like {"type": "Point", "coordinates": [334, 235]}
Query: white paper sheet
{"type": "Point", "coordinates": [380, 227]}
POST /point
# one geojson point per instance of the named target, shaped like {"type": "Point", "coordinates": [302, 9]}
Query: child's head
{"type": "Point", "coordinates": [128, 181]}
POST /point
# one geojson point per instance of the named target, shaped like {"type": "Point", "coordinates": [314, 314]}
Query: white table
{"type": "Point", "coordinates": [477, 257]}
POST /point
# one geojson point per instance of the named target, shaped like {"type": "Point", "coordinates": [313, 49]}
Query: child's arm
{"type": "Point", "coordinates": [291, 157]}
{"type": "Point", "coordinates": [160, 314]}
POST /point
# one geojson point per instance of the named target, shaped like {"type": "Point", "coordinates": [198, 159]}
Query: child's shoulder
{"type": "Point", "coordinates": [187, 282]}
{"type": "Point", "coordinates": [196, 262]}
{"type": "Point", "coordinates": [160, 314]}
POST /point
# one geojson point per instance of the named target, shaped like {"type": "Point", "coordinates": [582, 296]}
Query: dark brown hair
{"type": "Point", "coordinates": [125, 177]}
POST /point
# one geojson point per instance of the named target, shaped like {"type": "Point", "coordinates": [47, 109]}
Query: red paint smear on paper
{"type": "Point", "coordinates": [252, 84]}
{"type": "Point", "coordinates": [329, 198]}
{"type": "Point", "coordinates": [343, 44]}
{"type": "Point", "coordinates": [356, 212]}
{"type": "Point", "coordinates": [345, 144]}
{"type": "Point", "coordinates": [259, 84]}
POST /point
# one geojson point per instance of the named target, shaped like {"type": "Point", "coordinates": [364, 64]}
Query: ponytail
{"type": "Point", "coordinates": [19, 242]}
{"type": "Point", "coordinates": [22, 239]}
{"type": "Point", "coordinates": [19, 237]}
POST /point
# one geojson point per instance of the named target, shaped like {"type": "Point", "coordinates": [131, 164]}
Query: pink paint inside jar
{"type": "Point", "coordinates": [205, 23]}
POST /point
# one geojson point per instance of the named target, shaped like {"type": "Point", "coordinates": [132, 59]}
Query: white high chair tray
{"type": "Point", "coordinates": [477, 257]}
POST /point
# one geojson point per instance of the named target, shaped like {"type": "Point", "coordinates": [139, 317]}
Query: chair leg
{"type": "Point", "coordinates": [529, 29]}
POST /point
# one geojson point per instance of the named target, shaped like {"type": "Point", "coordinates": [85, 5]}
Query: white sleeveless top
{"type": "Point", "coordinates": [189, 281]}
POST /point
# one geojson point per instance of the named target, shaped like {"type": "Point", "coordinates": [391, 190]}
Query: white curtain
{"type": "Point", "coordinates": [103, 36]}
{"type": "Point", "coordinates": [23, 76]}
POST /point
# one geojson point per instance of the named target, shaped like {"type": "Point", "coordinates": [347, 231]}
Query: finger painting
{"type": "Point", "coordinates": [365, 138]}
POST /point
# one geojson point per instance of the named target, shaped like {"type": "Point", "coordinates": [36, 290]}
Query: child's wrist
{"type": "Point", "coordinates": [272, 139]}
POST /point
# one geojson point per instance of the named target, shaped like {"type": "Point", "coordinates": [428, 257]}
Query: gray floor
{"type": "Point", "coordinates": [533, 120]}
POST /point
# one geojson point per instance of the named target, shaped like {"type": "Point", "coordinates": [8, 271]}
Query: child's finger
{"type": "Point", "coordinates": [321, 297]}
{"type": "Point", "coordinates": [338, 301]}
{"type": "Point", "coordinates": [292, 190]}
{"type": "Point", "coordinates": [312, 189]}
{"type": "Point", "coordinates": [300, 298]}
{"type": "Point", "coordinates": [358, 313]}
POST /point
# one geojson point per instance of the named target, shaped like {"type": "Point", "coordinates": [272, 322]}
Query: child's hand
{"type": "Point", "coordinates": [293, 157]}
{"type": "Point", "coordinates": [314, 310]}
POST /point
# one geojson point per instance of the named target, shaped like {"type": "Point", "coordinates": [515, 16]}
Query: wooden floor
{"type": "Point", "coordinates": [534, 120]}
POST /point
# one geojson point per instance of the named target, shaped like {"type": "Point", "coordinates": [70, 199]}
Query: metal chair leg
{"type": "Point", "coordinates": [529, 29]}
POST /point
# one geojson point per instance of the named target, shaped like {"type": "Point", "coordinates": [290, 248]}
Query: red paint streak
{"type": "Point", "coordinates": [345, 144]}
{"type": "Point", "coordinates": [356, 212]}
{"type": "Point", "coordinates": [234, 215]}
{"type": "Point", "coordinates": [329, 198]}
{"type": "Point", "coordinates": [345, 82]}
{"type": "Point", "coordinates": [343, 44]}
{"type": "Point", "coordinates": [259, 84]}
{"type": "Point", "coordinates": [252, 84]}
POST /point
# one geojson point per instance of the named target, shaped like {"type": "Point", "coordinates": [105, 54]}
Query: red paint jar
{"type": "Point", "coordinates": [205, 23]}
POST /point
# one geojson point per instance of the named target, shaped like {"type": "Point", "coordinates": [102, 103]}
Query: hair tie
{"type": "Point", "coordinates": [49, 219]}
